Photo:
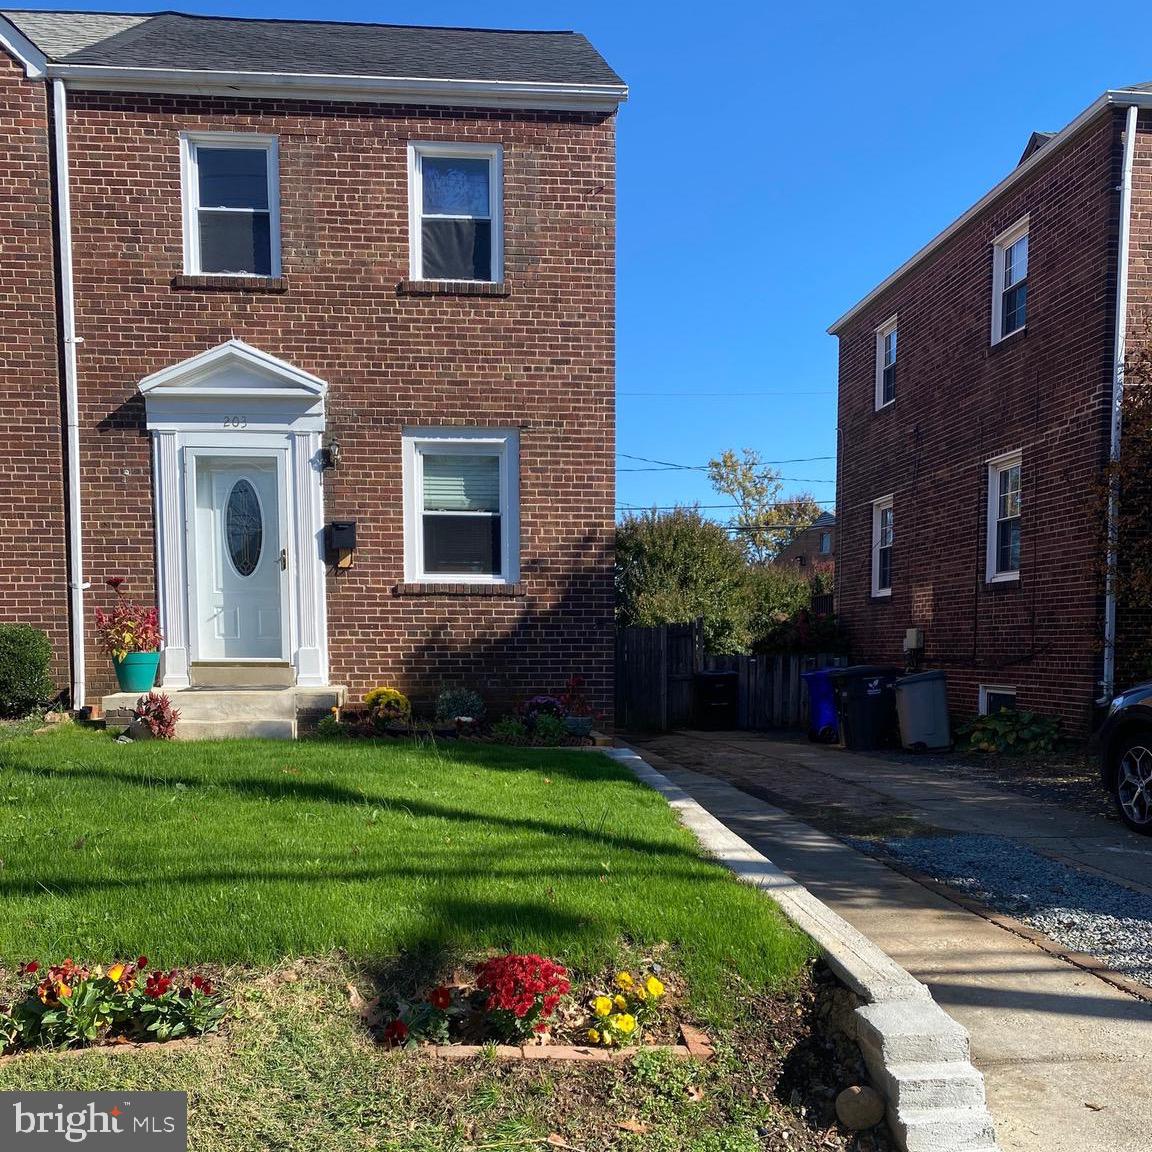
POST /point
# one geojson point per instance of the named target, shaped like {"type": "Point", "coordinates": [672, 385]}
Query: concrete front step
{"type": "Point", "coordinates": [235, 713]}
{"type": "Point", "coordinates": [937, 1129]}
{"type": "Point", "coordinates": [250, 674]}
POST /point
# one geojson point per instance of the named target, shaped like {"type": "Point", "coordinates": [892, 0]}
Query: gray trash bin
{"type": "Point", "coordinates": [922, 706]}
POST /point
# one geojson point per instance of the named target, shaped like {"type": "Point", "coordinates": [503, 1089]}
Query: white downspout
{"type": "Point", "coordinates": [1109, 684]}
{"type": "Point", "coordinates": [76, 583]}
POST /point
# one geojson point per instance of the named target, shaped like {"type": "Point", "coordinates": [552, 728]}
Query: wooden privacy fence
{"type": "Point", "coordinates": [656, 669]}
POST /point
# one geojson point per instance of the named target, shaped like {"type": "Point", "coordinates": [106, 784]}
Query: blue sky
{"type": "Point", "coordinates": [775, 163]}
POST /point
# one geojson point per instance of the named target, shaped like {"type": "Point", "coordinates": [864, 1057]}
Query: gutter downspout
{"type": "Point", "coordinates": [1119, 351]}
{"type": "Point", "coordinates": [69, 338]}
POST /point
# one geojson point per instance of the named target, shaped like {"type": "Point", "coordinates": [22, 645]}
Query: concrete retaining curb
{"type": "Point", "coordinates": [917, 1055]}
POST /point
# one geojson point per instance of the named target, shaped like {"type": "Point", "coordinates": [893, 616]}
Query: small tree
{"type": "Point", "coordinates": [766, 521]}
{"type": "Point", "coordinates": [675, 566]}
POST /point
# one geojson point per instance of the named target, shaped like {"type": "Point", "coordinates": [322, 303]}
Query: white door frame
{"type": "Point", "coordinates": [192, 457]}
{"type": "Point", "coordinates": [236, 400]}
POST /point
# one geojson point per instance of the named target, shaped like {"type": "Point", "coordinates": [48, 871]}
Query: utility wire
{"type": "Point", "coordinates": [704, 467]}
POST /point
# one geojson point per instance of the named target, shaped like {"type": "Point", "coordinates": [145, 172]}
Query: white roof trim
{"type": "Point", "coordinates": [188, 374]}
{"type": "Point", "coordinates": [1119, 98]}
{"type": "Point", "coordinates": [319, 86]}
{"type": "Point", "coordinates": [25, 52]}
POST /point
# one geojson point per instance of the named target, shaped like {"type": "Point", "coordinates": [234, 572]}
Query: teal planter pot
{"type": "Point", "coordinates": [137, 671]}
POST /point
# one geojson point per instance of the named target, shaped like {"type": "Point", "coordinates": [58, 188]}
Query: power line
{"type": "Point", "coordinates": [819, 392]}
{"type": "Point", "coordinates": [704, 467]}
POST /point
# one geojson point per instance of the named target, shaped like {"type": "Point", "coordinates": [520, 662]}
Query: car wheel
{"type": "Point", "coordinates": [1132, 782]}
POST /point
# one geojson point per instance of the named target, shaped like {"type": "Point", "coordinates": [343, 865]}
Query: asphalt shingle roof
{"type": "Point", "coordinates": [215, 43]}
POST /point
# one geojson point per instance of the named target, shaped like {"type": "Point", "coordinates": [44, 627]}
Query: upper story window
{"type": "Point", "coordinates": [1004, 517]}
{"type": "Point", "coordinates": [886, 363]}
{"type": "Point", "coordinates": [231, 185]}
{"type": "Point", "coordinates": [455, 214]}
{"type": "Point", "coordinates": [461, 517]}
{"type": "Point", "coordinates": [1010, 281]}
{"type": "Point", "coordinates": [883, 536]}
{"type": "Point", "coordinates": [825, 543]}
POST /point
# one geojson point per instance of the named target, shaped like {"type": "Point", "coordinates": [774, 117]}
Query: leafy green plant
{"type": "Point", "coordinates": [330, 728]}
{"type": "Point", "coordinates": [1010, 731]}
{"type": "Point", "coordinates": [25, 654]}
{"type": "Point", "coordinates": [549, 730]}
{"type": "Point", "coordinates": [454, 702]}
{"type": "Point", "coordinates": [510, 730]}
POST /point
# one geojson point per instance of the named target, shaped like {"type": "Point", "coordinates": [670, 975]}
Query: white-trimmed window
{"type": "Point", "coordinates": [231, 194]}
{"type": "Point", "coordinates": [1004, 517]}
{"type": "Point", "coordinates": [1010, 281]}
{"type": "Point", "coordinates": [883, 536]}
{"type": "Point", "coordinates": [996, 698]}
{"type": "Point", "coordinates": [461, 506]}
{"type": "Point", "coordinates": [455, 211]}
{"type": "Point", "coordinates": [886, 363]}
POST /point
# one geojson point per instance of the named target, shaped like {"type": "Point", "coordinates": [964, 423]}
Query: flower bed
{"type": "Point", "coordinates": [524, 1007]}
{"type": "Point", "coordinates": [73, 1006]}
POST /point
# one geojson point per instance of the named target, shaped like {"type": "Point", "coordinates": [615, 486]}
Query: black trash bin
{"type": "Point", "coordinates": [717, 699]}
{"type": "Point", "coordinates": [866, 705]}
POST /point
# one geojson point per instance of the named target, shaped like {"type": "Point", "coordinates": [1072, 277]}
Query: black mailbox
{"type": "Point", "coordinates": [339, 537]}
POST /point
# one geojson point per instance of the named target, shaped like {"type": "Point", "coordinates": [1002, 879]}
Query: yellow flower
{"type": "Point", "coordinates": [620, 1002]}
{"type": "Point", "coordinates": [601, 1005]}
{"type": "Point", "coordinates": [624, 1023]}
{"type": "Point", "coordinates": [593, 1036]}
{"type": "Point", "coordinates": [63, 991]}
{"type": "Point", "coordinates": [640, 993]}
{"type": "Point", "coordinates": [655, 988]}
{"type": "Point", "coordinates": [115, 972]}
{"type": "Point", "coordinates": [624, 980]}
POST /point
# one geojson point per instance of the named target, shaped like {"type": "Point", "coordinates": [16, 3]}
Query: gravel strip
{"type": "Point", "coordinates": [1083, 912]}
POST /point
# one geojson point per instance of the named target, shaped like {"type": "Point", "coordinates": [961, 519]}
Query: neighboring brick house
{"type": "Point", "coordinates": [311, 273]}
{"type": "Point", "coordinates": [978, 386]}
{"type": "Point", "coordinates": [811, 548]}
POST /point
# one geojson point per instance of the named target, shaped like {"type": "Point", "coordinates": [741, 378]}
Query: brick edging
{"type": "Point", "coordinates": [696, 1046]}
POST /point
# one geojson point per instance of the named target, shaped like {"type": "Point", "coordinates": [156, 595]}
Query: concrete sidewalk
{"type": "Point", "coordinates": [1067, 1058]}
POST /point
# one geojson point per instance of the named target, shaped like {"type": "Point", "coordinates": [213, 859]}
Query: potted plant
{"type": "Point", "coordinates": [578, 717]}
{"type": "Point", "coordinates": [130, 634]}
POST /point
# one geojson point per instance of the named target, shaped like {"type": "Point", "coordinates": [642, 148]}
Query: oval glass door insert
{"type": "Point", "coordinates": [243, 527]}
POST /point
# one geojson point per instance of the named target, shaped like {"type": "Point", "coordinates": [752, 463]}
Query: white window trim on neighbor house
{"type": "Point", "coordinates": [888, 328]}
{"type": "Point", "coordinates": [987, 690]}
{"type": "Point", "coordinates": [884, 503]}
{"type": "Point", "coordinates": [501, 442]}
{"type": "Point", "coordinates": [996, 465]}
{"type": "Point", "coordinates": [999, 247]}
{"type": "Point", "coordinates": [190, 193]}
{"type": "Point", "coordinates": [494, 153]}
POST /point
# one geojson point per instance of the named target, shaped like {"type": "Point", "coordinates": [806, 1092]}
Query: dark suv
{"type": "Point", "coordinates": [1125, 743]}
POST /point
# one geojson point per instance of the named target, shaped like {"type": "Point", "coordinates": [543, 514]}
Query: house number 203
{"type": "Point", "coordinates": [235, 421]}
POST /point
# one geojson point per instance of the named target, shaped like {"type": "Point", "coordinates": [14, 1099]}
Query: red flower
{"type": "Point", "coordinates": [158, 985]}
{"type": "Point", "coordinates": [115, 582]}
{"type": "Point", "coordinates": [141, 961]}
{"type": "Point", "coordinates": [29, 969]}
{"type": "Point", "coordinates": [440, 998]}
{"type": "Point", "coordinates": [395, 1032]}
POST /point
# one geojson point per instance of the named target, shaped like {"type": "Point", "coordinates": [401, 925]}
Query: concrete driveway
{"type": "Point", "coordinates": [1067, 1056]}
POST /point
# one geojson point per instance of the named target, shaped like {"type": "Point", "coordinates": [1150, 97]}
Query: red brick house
{"type": "Point", "coordinates": [264, 279]}
{"type": "Point", "coordinates": [812, 548]}
{"type": "Point", "coordinates": [978, 408]}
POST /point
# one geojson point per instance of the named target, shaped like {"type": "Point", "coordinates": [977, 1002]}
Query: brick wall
{"type": "Point", "coordinates": [803, 551]}
{"type": "Point", "coordinates": [540, 358]}
{"type": "Point", "coordinates": [33, 576]}
{"type": "Point", "coordinates": [959, 403]}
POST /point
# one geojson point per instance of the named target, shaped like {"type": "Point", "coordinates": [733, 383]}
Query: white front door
{"type": "Point", "coordinates": [238, 554]}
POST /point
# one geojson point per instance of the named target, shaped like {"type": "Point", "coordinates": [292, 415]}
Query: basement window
{"type": "Point", "coordinates": [455, 200]}
{"type": "Point", "coordinates": [461, 522]}
{"type": "Point", "coordinates": [231, 200]}
{"type": "Point", "coordinates": [994, 699]}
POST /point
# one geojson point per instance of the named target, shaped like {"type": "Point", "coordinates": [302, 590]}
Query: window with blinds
{"type": "Point", "coordinates": [461, 513]}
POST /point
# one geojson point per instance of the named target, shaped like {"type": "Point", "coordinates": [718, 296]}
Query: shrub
{"type": "Point", "coordinates": [619, 1017]}
{"type": "Point", "coordinates": [574, 699]}
{"type": "Point", "coordinates": [72, 1006]}
{"type": "Point", "coordinates": [539, 706]}
{"type": "Point", "coordinates": [549, 730]}
{"type": "Point", "coordinates": [156, 713]}
{"type": "Point", "coordinates": [510, 730]}
{"type": "Point", "coordinates": [1011, 731]}
{"type": "Point", "coordinates": [388, 706]}
{"type": "Point", "coordinates": [330, 728]}
{"type": "Point", "coordinates": [25, 654]}
{"type": "Point", "coordinates": [454, 702]}
{"type": "Point", "coordinates": [521, 993]}
{"type": "Point", "coordinates": [129, 627]}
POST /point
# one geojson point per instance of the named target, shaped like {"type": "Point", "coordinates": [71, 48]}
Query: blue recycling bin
{"type": "Point", "coordinates": [822, 723]}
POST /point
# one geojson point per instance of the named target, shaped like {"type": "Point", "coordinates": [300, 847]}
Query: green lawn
{"type": "Point", "coordinates": [253, 852]}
